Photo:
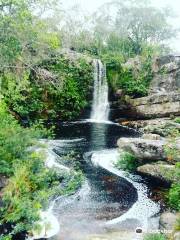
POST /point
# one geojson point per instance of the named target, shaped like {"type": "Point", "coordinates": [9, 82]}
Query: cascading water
{"type": "Point", "coordinates": [100, 106]}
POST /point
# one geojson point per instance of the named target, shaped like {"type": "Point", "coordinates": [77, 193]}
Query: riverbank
{"type": "Point", "coordinates": [156, 153]}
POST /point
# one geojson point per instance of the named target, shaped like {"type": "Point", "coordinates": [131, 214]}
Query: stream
{"type": "Point", "coordinates": [109, 200]}
{"type": "Point", "coordinates": [111, 204]}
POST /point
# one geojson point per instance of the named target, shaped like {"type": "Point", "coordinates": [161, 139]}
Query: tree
{"type": "Point", "coordinates": [26, 36]}
{"type": "Point", "coordinates": [134, 23]}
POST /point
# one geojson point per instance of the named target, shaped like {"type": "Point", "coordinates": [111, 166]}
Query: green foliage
{"type": "Point", "coordinates": [177, 120]}
{"type": "Point", "coordinates": [30, 185]}
{"type": "Point", "coordinates": [155, 237]}
{"type": "Point", "coordinates": [171, 148]}
{"type": "Point", "coordinates": [74, 182]}
{"type": "Point", "coordinates": [127, 161]}
{"type": "Point", "coordinates": [25, 37]}
{"type": "Point", "coordinates": [135, 82]}
{"type": "Point", "coordinates": [14, 140]}
{"type": "Point", "coordinates": [28, 191]}
{"type": "Point", "coordinates": [177, 226]}
{"type": "Point", "coordinates": [63, 97]}
{"type": "Point", "coordinates": [174, 196]}
{"type": "Point", "coordinates": [133, 78]}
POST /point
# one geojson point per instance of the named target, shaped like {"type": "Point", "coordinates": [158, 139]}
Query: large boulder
{"type": "Point", "coordinates": [143, 149]}
{"type": "Point", "coordinates": [147, 150]}
{"type": "Point", "coordinates": [159, 170]}
{"type": "Point", "coordinates": [160, 126]}
{"type": "Point", "coordinates": [156, 105]}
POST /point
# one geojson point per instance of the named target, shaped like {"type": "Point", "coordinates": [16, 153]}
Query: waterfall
{"type": "Point", "coordinates": [100, 106]}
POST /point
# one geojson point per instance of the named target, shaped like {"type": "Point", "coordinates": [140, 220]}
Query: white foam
{"type": "Point", "coordinates": [144, 208]}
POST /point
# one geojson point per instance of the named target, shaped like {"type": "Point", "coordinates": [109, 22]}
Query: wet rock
{"type": "Point", "coordinates": [144, 149]}
{"type": "Point", "coordinates": [148, 150]}
{"type": "Point", "coordinates": [159, 170]}
{"type": "Point", "coordinates": [168, 220]}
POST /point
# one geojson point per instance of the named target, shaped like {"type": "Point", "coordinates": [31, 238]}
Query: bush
{"type": "Point", "coordinates": [127, 161]}
{"type": "Point", "coordinates": [177, 120]}
{"type": "Point", "coordinates": [28, 191]}
{"type": "Point", "coordinates": [155, 237]}
{"type": "Point", "coordinates": [62, 96]}
{"type": "Point", "coordinates": [14, 140]}
{"type": "Point", "coordinates": [174, 196]}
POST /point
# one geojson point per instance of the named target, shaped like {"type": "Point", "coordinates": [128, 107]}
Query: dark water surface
{"type": "Point", "coordinates": [104, 195]}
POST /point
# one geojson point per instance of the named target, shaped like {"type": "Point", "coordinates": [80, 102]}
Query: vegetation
{"type": "Point", "coordinates": [31, 184]}
{"type": "Point", "coordinates": [57, 89]}
{"type": "Point", "coordinates": [155, 237]}
{"type": "Point", "coordinates": [40, 80]}
{"type": "Point", "coordinates": [177, 120]}
{"type": "Point", "coordinates": [127, 161]}
{"type": "Point", "coordinates": [174, 196]}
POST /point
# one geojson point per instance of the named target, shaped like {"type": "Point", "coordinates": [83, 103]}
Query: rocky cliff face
{"type": "Point", "coordinates": [166, 74]}
{"type": "Point", "coordinates": [164, 92]}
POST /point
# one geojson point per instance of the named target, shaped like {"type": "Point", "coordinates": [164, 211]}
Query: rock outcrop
{"type": "Point", "coordinates": [159, 170]}
{"type": "Point", "coordinates": [143, 149]}
{"type": "Point", "coordinates": [160, 126]}
{"type": "Point", "coordinates": [154, 155]}
{"type": "Point", "coordinates": [161, 104]}
{"type": "Point", "coordinates": [157, 105]}
{"type": "Point", "coordinates": [163, 98]}
{"type": "Point", "coordinates": [166, 74]}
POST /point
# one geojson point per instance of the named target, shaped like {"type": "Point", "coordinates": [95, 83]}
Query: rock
{"type": "Point", "coordinates": [156, 105]}
{"type": "Point", "coordinates": [159, 170]}
{"type": "Point", "coordinates": [168, 220]}
{"type": "Point", "coordinates": [166, 74]}
{"type": "Point", "coordinates": [144, 149]}
{"type": "Point", "coordinates": [147, 150]}
{"type": "Point", "coordinates": [148, 126]}
{"type": "Point", "coordinates": [151, 136]}
{"type": "Point", "coordinates": [176, 236]}
{"type": "Point", "coordinates": [119, 92]}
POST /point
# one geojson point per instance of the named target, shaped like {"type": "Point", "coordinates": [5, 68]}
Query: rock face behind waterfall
{"type": "Point", "coordinates": [163, 99]}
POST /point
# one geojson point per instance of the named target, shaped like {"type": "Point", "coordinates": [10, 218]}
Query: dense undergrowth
{"type": "Point", "coordinates": [30, 184]}
{"type": "Point", "coordinates": [57, 89]}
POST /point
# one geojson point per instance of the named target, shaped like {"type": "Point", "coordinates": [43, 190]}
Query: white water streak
{"type": "Point", "coordinates": [100, 106]}
{"type": "Point", "coordinates": [144, 208]}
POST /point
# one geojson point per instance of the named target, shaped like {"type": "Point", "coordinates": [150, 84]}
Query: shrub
{"type": "Point", "coordinates": [174, 196]}
{"type": "Point", "coordinates": [177, 120]}
{"type": "Point", "coordinates": [14, 140]}
{"type": "Point", "coordinates": [127, 161]}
